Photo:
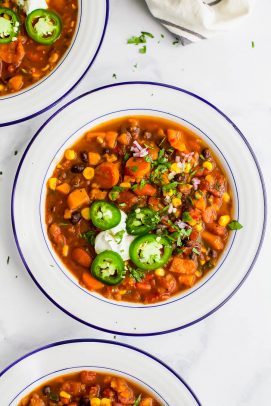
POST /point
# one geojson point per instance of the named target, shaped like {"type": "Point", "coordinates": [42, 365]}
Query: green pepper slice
{"type": "Point", "coordinates": [104, 215]}
{"type": "Point", "coordinates": [43, 26]}
{"type": "Point", "coordinates": [108, 267]}
{"type": "Point", "coordinates": [9, 25]}
{"type": "Point", "coordinates": [149, 252]}
{"type": "Point", "coordinates": [141, 221]}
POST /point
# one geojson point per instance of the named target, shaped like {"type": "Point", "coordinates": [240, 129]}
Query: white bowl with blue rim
{"type": "Point", "coordinates": [31, 101]}
{"type": "Point", "coordinates": [70, 123]}
{"type": "Point", "coordinates": [36, 368]}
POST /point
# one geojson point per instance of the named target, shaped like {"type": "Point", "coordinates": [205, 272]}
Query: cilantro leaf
{"type": "Point", "coordinates": [186, 217]}
{"type": "Point", "coordinates": [196, 251]}
{"type": "Point", "coordinates": [89, 236]}
{"type": "Point", "coordinates": [138, 400]}
{"type": "Point", "coordinates": [137, 274]}
{"type": "Point", "coordinates": [143, 50]}
{"type": "Point", "coordinates": [119, 236]}
{"type": "Point", "coordinates": [235, 225]}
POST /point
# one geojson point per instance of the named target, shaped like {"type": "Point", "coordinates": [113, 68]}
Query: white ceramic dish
{"type": "Point", "coordinates": [65, 357]}
{"type": "Point", "coordinates": [61, 131]}
{"type": "Point", "coordinates": [89, 34]}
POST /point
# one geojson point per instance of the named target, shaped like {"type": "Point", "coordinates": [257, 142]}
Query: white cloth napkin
{"type": "Point", "coordinates": [193, 20]}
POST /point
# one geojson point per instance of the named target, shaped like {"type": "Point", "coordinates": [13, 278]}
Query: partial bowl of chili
{"type": "Point", "coordinates": [41, 43]}
{"type": "Point", "coordinates": [179, 247]}
{"type": "Point", "coordinates": [92, 373]}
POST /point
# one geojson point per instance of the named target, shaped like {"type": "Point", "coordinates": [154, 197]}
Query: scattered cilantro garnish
{"type": "Point", "coordinates": [15, 152]}
{"type": "Point", "coordinates": [176, 41]}
{"type": "Point", "coordinates": [170, 186]}
{"type": "Point", "coordinates": [117, 189]}
{"type": "Point", "coordinates": [202, 157]}
{"type": "Point", "coordinates": [143, 50]}
{"type": "Point", "coordinates": [8, 258]}
{"type": "Point", "coordinates": [252, 44]}
{"type": "Point", "coordinates": [89, 236]}
{"type": "Point", "coordinates": [135, 65]}
{"type": "Point", "coordinates": [147, 34]}
{"type": "Point", "coordinates": [162, 36]}
{"type": "Point", "coordinates": [142, 183]}
{"type": "Point", "coordinates": [122, 204]}
{"type": "Point", "coordinates": [186, 217]}
{"type": "Point", "coordinates": [235, 225]}
{"type": "Point", "coordinates": [137, 274]}
{"type": "Point", "coordinates": [119, 236]}
{"type": "Point", "coordinates": [134, 168]}
{"type": "Point", "coordinates": [196, 251]}
{"type": "Point", "coordinates": [126, 156]}
{"type": "Point", "coordinates": [114, 76]}
{"type": "Point", "coordinates": [137, 402]}
{"type": "Point", "coordinates": [141, 39]}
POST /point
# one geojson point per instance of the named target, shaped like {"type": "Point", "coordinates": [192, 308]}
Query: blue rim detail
{"type": "Point", "coordinates": [92, 340]}
{"type": "Point", "coordinates": [93, 367]}
{"type": "Point", "coordinates": [73, 86]}
{"type": "Point", "coordinates": [238, 132]}
{"type": "Point", "coordinates": [166, 303]}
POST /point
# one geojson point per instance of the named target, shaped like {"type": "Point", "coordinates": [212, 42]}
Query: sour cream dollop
{"type": "Point", "coordinates": [116, 239]}
{"type": "Point", "coordinates": [31, 5]}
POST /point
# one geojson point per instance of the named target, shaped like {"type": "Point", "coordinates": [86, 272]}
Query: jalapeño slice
{"type": "Point", "coordinates": [104, 215]}
{"type": "Point", "coordinates": [9, 25]}
{"type": "Point", "coordinates": [150, 251]}
{"type": "Point", "coordinates": [108, 267]}
{"type": "Point", "coordinates": [43, 26]}
{"type": "Point", "coordinates": [141, 221]}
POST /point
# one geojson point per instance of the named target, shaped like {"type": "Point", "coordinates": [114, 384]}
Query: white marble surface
{"type": "Point", "coordinates": [226, 358]}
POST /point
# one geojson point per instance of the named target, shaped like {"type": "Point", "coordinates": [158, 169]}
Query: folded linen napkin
{"type": "Point", "coordinates": [193, 20]}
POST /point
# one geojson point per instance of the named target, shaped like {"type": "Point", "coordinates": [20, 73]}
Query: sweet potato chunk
{"type": "Point", "coordinates": [183, 266]}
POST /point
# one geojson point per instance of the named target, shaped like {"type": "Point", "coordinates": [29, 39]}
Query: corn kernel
{"type": "Point", "coordinates": [202, 262]}
{"type": "Point", "coordinates": [52, 182]}
{"type": "Point", "coordinates": [64, 395]}
{"type": "Point", "coordinates": [65, 250]}
{"type": "Point", "coordinates": [192, 222]}
{"type": "Point", "coordinates": [88, 173]}
{"type": "Point", "coordinates": [209, 178]}
{"type": "Point", "coordinates": [106, 402]}
{"type": "Point", "coordinates": [208, 165]}
{"type": "Point", "coordinates": [175, 168]}
{"type": "Point", "coordinates": [199, 227]}
{"type": "Point", "coordinates": [95, 402]}
{"type": "Point", "coordinates": [70, 154]}
{"type": "Point", "coordinates": [198, 195]}
{"type": "Point", "coordinates": [67, 214]}
{"type": "Point", "coordinates": [204, 250]}
{"type": "Point", "coordinates": [125, 185]}
{"type": "Point", "coordinates": [198, 274]}
{"type": "Point", "coordinates": [160, 272]}
{"type": "Point", "coordinates": [64, 188]}
{"type": "Point", "coordinates": [100, 140]}
{"type": "Point", "coordinates": [226, 197]}
{"type": "Point", "coordinates": [122, 292]}
{"type": "Point", "coordinates": [168, 193]}
{"type": "Point", "coordinates": [224, 220]}
{"type": "Point", "coordinates": [187, 168]}
{"type": "Point", "coordinates": [85, 213]}
{"type": "Point", "coordinates": [176, 202]}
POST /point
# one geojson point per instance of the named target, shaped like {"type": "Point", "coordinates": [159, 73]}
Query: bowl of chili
{"type": "Point", "coordinates": [141, 213]}
{"type": "Point", "coordinates": [92, 373]}
{"type": "Point", "coordinates": [41, 42]}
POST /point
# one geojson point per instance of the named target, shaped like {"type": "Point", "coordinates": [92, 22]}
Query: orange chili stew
{"type": "Point", "coordinates": [88, 388]}
{"type": "Point", "coordinates": [171, 187]}
{"type": "Point", "coordinates": [25, 58]}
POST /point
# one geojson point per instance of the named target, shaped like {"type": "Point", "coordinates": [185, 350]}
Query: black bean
{"type": "Point", "coordinates": [206, 153]}
{"type": "Point", "coordinates": [77, 168]}
{"type": "Point", "coordinates": [46, 390]}
{"type": "Point", "coordinates": [84, 156]}
{"type": "Point", "coordinates": [84, 402]}
{"type": "Point", "coordinates": [76, 217]}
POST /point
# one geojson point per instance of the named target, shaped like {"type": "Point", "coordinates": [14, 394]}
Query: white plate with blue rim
{"type": "Point", "coordinates": [107, 357]}
{"type": "Point", "coordinates": [72, 121]}
{"type": "Point", "coordinates": [44, 94]}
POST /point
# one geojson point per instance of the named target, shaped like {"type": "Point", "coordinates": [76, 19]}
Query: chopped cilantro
{"type": "Point", "coordinates": [138, 400]}
{"type": "Point", "coordinates": [186, 217]}
{"type": "Point", "coordinates": [137, 274]}
{"type": "Point", "coordinates": [126, 156]}
{"type": "Point", "coordinates": [8, 258]}
{"type": "Point", "coordinates": [143, 50]}
{"type": "Point", "coordinates": [235, 225]}
{"type": "Point", "coordinates": [142, 183]}
{"type": "Point", "coordinates": [117, 189]}
{"type": "Point", "coordinates": [119, 236]}
{"type": "Point", "coordinates": [134, 168]}
{"type": "Point", "coordinates": [176, 41]}
{"type": "Point", "coordinates": [137, 40]}
{"type": "Point", "coordinates": [170, 186]}
{"type": "Point", "coordinates": [196, 251]}
{"type": "Point", "coordinates": [147, 34]}
{"type": "Point", "coordinates": [162, 36]}
{"type": "Point", "coordinates": [114, 76]}
{"type": "Point", "coordinates": [15, 152]}
{"type": "Point", "coordinates": [89, 236]}
{"type": "Point", "coordinates": [122, 204]}
{"type": "Point", "coordinates": [252, 44]}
